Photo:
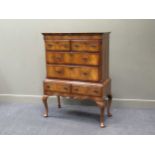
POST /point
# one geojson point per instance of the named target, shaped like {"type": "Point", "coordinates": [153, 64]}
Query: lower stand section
{"type": "Point", "coordinates": [80, 93]}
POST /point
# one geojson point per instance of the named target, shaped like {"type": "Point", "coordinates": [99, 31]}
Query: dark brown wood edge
{"type": "Point", "coordinates": [73, 65]}
{"type": "Point", "coordinates": [71, 51]}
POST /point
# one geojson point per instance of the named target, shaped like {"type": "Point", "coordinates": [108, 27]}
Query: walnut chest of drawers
{"type": "Point", "coordinates": [77, 66]}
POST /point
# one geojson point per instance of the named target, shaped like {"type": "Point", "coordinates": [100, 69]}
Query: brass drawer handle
{"type": "Point", "coordinates": [65, 88]}
{"type": "Point", "coordinates": [85, 59]}
{"type": "Point", "coordinates": [59, 72]}
{"type": "Point", "coordinates": [93, 46]}
{"type": "Point", "coordinates": [76, 89]}
{"type": "Point", "coordinates": [50, 45]}
{"type": "Point", "coordinates": [48, 86]}
{"type": "Point", "coordinates": [71, 68]}
{"type": "Point", "coordinates": [77, 46]}
{"type": "Point", "coordinates": [66, 46]}
{"type": "Point", "coordinates": [85, 73]}
{"type": "Point", "coordinates": [96, 91]}
{"type": "Point", "coordinates": [58, 58]}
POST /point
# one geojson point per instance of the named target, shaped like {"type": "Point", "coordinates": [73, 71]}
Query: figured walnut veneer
{"type": "Point", "coordinates": [77, 66]}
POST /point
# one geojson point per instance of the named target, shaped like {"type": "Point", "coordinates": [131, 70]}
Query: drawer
{"type": "Point", "coordinates": [54, 71]}
{"type": "Point", "coordinates": [86, 45]}
{"type": "Point", "coordinates": [87, 90]}
{"type": "Point", "coordinates": [73, 72]}
{"type": "Point", "coordinates": [57, 87]}
{"type": "Point", "coordinates": [55, 57]}
{"type": "Point", "coordinates": [82, 58]}
{"type": "Point", "coordinates": [57, 45]}
{"type": "Point", "coordinates": [86, 36]}
{"type": "Point", "coordinates": [72, 58]}
{"type": "Point", "coordinates": [76, 36]}
{"type": "Point", "coordinates": [84, 73]}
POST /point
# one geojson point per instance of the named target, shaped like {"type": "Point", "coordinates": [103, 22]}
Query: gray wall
{"type": "Point", "coordinates": [132, 54]}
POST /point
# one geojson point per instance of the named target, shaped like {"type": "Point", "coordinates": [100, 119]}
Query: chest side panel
{"type": "Point", "coordinates": [105, 57]}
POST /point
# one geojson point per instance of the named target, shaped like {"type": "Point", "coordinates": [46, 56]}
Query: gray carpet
{"type": "Point", "coordinates": [76, 118]}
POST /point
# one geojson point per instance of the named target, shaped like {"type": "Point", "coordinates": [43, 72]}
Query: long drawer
{"type": "Point", "coordinates": [73, 72]}
{"type": "Point", "coordinates": [72, 58]}
{"type": "Point", "coordinates": [72, 36]}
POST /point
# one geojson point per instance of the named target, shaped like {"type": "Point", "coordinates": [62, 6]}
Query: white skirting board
{"type": "Point", "coordinates": [19, 98]}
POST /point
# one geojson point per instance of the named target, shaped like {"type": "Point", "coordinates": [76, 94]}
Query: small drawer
{"type": "Point", "coordinates": [57, 45]}
{"type": "Point", "coordinates": [57, 87]}
{"type": "Point", "coordinates": [87, 90]}
{"type": "Point", "coordinates": [59, 36]}
{"type": "Point", "coordinates": [85, 45]}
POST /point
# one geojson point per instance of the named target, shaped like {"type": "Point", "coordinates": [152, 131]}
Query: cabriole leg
{"type": "Point", "coordinates": [44, 99]}
{"type": "Point", "coordinates": [59, 102]}
{"type": "Point", "coordinates": [109, 105]}
{"type": "Point", "coordinates": [101, 105]}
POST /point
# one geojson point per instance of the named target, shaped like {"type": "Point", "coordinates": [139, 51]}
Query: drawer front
{"type": "Point", "coordinates": [87, 90]}
{"type": "Point", "coordinates": [86, 36]}
{"type": "Point", "coordinates": [72, 58]}
{"type": "Point", "coordinates": [84, 73]}
{"type": "Point", "coordinates": [55, 57]}
{"type": "Point", "coordinates": [54, 71]}
{"type": "Point", "coordinates": [82, 58]}
{"type": "Point", "coordinates": [57, 87]}
{"type": "Point", "coordinates": [72, 36]}
{"type": "Point", "coordinates": [85, 45]}
{"type": "Point", "coordinates": [58, 45]}
{"type": "Point", "coordinates": [73, 73]}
